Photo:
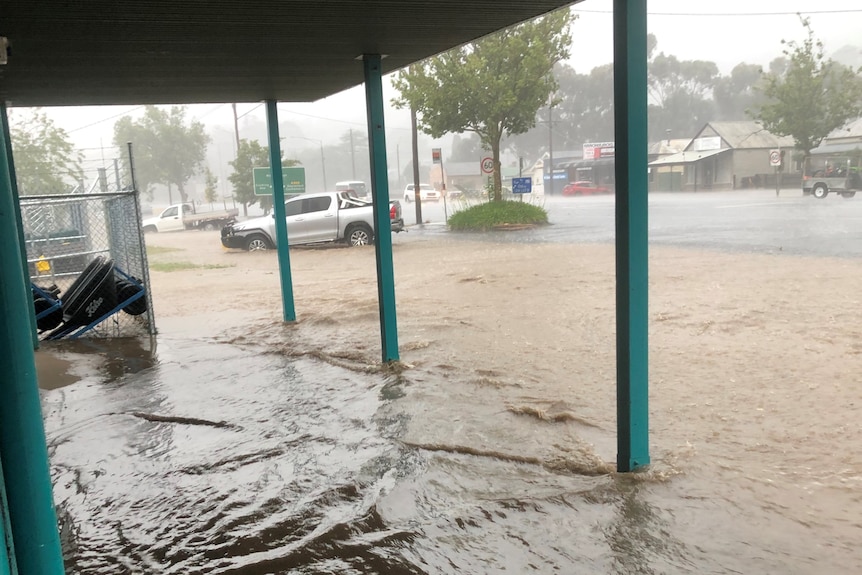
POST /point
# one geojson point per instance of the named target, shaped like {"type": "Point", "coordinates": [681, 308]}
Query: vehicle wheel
{"type": "Point", "coordinates": [359, 235]}
{"type": "Point", "coordinates": [151, 230]}
{"type": "Point", "coordinates": [125, 291]}
{"type": "Point", "coordinates": [209, 226]}
{"type": "Point", "coordinates": [820, 191]}
{"type": "Point", "coordinates": [256, 243]}
{"type": "Point", "coordinates": [848, 194]}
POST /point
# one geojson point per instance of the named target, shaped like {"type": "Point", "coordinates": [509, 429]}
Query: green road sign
{"type": "Point", "coordinates": [294, 181]}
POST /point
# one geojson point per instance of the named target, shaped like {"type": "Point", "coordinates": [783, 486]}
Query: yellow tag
{"type": "Point", "coordinates": [43, 266]}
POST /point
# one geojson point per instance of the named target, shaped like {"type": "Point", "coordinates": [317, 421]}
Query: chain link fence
{"type": "Point", "coordinates": [88, 266]}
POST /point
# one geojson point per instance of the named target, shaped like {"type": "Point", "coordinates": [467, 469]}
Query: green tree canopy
{"type": "Point", "coordinates": [45, 160]}
{"type": "Point", "coordinates": [492, 87]}
{"type": "Point", "coordinates": [251, 155]}
{"type": "Point", "coordinates": [211, 189]}
{"type": "Point", "coordinates": [809, 97]}
{"type": "Point", "coordinates": [680, 93]}
{"type": "Point", "coordinates": [166, 149]}
{"type": "Point", "coordinates": [736, 94]}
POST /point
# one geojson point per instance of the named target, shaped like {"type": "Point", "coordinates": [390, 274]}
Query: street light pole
{"type": "Point", "coordinates": [323, 166]}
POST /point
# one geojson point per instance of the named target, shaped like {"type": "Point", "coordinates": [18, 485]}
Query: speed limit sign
{"type": "Point", "coordinates": [774, 158]}
{"type": "Point", "coordinates": [487, 165]}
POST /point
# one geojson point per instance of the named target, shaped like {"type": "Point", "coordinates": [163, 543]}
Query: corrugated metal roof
{"type": "Point", "coordinates": [202, 51]}
{"type": "Point", "coordinates": [745, 134]}
{"type": "Point", "coordinates": [837, 148]}
{"type": "Point", "coordinates": [666, 147]}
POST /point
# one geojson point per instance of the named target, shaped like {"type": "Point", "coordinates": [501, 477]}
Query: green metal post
{"type": "Point", "coordinates": [630, 115]}
{"type": "Point", "coordinates": [7, 549]}
{"type": "Point", "coordinates": [288, 309]}
{"type": "Point", "coordinates": [4, 119]}
{"type": "Point", "coordinates": [23, 452]}
{"type": "Point", "coordinates": [380, 195]}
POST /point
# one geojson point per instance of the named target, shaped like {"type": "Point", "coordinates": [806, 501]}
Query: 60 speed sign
{"type": "Point", "coordinates": [487, 165]}
{"type": "Point", "coordinates": [774, 158]}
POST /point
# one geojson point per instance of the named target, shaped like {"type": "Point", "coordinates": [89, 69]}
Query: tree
{"type": "Point", "coordinates": [251, 155]}
{"type": "Point", "coordinates": [45, 160]}
{"type": "Point", "coordinates": [585, 112]}
{"type": "Point", "coordinates": [166, 150]}
{"type": "Point", "coordinates": [738, 93]}
{"type": "Point", "coordinates": [680, 94]}
{"type": "Point", "coordinates": [466, 149]}
{"type": "Point", "coordinates": [492, 87]}
{"type": "Point", "coordinates": [211, 189]}
{"type": "Point", "coordinates": [811, 96]}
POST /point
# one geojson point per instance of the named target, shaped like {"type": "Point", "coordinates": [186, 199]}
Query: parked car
{"type": "Point", "coordinates": [311, 219]}
{"type": "Point", "coordinates": [426, 192]}
{"type": "Point", "coordinates": [584, 188]}
{"type": "Point", "coordinates": [184, 217]}
{"type": "Point", "coordinates": [356, 186]}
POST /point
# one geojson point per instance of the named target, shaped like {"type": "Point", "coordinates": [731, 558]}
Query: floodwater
{"type": "Point", "coordinates": [235, 444]}
{"type": "Point", "coordinates": [192, 457]}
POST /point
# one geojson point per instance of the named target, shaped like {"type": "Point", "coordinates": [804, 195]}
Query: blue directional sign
{"type": "Point", "coordinates": [522, 185]}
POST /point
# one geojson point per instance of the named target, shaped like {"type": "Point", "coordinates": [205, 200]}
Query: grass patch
{"type": "Point", "coordinates": [492, 215]}
{"type": "Point", "coordinates": [157, 250]}
{"type": "Point", "coordinates": [182, 266]}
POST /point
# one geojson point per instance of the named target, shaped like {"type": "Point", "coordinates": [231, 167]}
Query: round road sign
{"type": "Point", "coordinates": [774, 158]}
{"type": "Point", "coordinates": [487, 165]}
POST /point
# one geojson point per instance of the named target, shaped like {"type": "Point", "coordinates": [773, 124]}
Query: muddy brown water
{"type": "Point", "coordinates": [235, 444]}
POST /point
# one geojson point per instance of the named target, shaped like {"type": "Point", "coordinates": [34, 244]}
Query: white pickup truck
{"type": "Point", "coordinates": [184, 217]}
{"type": "Point", "coordinates": [311, 219]}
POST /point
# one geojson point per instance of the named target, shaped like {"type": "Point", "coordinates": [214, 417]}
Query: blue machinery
{"type": "Point", "coordinates": [101, 291]}
{"type": "Point", "coordinates": [29, 541]}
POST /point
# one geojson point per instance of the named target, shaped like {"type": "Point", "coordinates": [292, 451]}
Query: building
{"type": "Point", "coordinates": [722, 156]}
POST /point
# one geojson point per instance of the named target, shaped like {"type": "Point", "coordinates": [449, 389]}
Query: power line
{"type": "Point", "coordinates": [735, 14]}
{"type": "Point", "coordinates": [362, 124]}
{"type": "Point", "coordinates": [106, 119]}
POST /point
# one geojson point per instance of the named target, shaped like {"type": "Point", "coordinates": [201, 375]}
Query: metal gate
{"type": "Point", "coordinates": [87, 263]}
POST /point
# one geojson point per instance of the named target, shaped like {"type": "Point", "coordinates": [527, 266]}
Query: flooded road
{"type": "Point", "coordinates": [233, 443]}
{"type": "Point", "coordinates": [219, 459]}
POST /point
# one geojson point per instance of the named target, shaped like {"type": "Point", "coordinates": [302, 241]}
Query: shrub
{"type": "Point", "coordinates": [492, 215]}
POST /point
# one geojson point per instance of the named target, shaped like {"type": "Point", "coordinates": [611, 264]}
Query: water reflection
{"type": "Point", "coordinates": [63, 362]}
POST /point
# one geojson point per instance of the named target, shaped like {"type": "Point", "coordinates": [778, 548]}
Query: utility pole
{"type": "Point", "coordinates": [550, 190]}
{"type": "Point", "coordinates": [352, 155]}
{"type": "Point", "coordinates": [398, 163]}
{"type": "Point", "coordinates": [417, 196]}
{"type": "Point", "coordinates": [236, 127]}
{"type": "Point", "coordinates": [778, 169]}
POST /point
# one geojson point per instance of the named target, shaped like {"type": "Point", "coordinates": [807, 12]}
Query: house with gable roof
{"type": "Point", "coordinates": [722, 156]}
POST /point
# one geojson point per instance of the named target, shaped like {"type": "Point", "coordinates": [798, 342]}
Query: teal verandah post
{"type": "Point", "coordinates": [287, 304]}
{"type": "Point", "coordinates": [7, 136]}
{"type": "Point", "coordinates": [7, 549]}
{"type": "Point", "coordinates": [380, 195]}
{"type": "Point", "coordinates": [23, 451]}
{"type": "Point", "coordinates": [632, 269]}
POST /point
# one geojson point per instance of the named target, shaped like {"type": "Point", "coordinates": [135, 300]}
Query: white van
{"type": "Point", "coordinates": [357, 186]}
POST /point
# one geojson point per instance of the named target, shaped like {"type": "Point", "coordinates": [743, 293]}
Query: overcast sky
{"type": "Point", "coordinates": [726, 33]}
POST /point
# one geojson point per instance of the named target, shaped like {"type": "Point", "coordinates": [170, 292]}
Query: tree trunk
{"type": "Point", "coordinates": [498, 177]}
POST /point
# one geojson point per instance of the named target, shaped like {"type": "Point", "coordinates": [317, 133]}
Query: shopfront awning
{"type": "Point", "coordinates": [686, 157]}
